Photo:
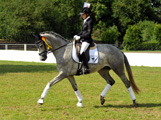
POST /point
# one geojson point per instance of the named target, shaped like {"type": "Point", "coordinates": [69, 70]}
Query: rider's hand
{"type": "Point", "coordinates": [76, 37]}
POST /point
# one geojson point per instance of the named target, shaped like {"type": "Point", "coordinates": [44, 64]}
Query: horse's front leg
{"type": "Point", "coordinates": [57, 79]}
{"type": "Point", "coordinates": [74, 85]}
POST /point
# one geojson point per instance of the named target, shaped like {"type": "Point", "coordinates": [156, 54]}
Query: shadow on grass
{"type": "Point", "coordinates": [8, 68]}
{"type": "Point", "coordinates": [146, 105]}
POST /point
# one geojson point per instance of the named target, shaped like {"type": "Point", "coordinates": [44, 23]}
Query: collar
{"type": "Point", "coordinates": [86, 19]}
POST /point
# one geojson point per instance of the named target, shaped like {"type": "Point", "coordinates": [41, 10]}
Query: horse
{"type": "Point", "coordinates": [110, 58]}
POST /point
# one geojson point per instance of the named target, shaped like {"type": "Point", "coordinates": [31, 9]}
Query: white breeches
{"type": "Point", "coordinates": [84, 47]}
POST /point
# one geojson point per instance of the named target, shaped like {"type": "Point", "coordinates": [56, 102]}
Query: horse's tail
{"type": "Point", "coordinates": [129, 71]}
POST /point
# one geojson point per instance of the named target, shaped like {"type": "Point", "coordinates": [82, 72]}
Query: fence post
{"type": "Point", "coordinates": [6, 47]}
{"type": "Point", "coordinates": [25, 47]}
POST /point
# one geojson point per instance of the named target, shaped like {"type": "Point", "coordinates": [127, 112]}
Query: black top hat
{"type": "Point", "coordinates": [86, 10]}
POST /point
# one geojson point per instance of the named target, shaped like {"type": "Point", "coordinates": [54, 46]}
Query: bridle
{"type": "Point", "coordinates": [49, 48]}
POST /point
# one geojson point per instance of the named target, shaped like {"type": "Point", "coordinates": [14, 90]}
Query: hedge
{"type": "Point", "coordinates": [147, 46]}
{"type": "Point", "coordinates": [110, 35]}
{"type": "Point", "coordinates": [132, 37]}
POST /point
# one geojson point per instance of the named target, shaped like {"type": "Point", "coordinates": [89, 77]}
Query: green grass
{"type": "Point", "coordinates": [142, 51]}
{"type": "Point", "coordinates": [21, 84]}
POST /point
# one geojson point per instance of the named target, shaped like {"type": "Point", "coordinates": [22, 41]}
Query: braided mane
{"type": "Point", "coordinates": [55, 34]}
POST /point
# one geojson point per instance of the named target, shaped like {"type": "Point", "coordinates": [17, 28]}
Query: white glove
{"type": "Point", "coordinates": [76, 37]}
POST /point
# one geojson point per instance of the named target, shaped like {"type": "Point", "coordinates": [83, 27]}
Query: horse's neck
{"type": "Point", "coordinates": [59, 53]}
{"type": "Point", "coordinates": [58, 42]}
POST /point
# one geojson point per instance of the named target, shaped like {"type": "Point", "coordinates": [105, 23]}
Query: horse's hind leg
{"type": "Point", "coordinates": [105, 74]}
{"type": "Point", "coordinates": [74, 85]}
{"type": "Point", "coordinates": [129, 88]}
{"type": "Point", "coordinates": [126, 82]}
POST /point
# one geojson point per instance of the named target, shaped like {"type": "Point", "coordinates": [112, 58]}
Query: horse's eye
{"type": "Point", "coordinates": [41, 45]}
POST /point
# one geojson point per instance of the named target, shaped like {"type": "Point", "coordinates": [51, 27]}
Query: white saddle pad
{"type": "Point", "coordinates": [92, 53]}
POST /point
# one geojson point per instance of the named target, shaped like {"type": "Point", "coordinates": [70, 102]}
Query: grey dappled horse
{"type": "Point", "coordinates": [110, 58]}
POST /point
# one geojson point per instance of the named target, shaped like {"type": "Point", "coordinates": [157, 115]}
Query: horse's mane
{"type": "Point", "coordinates": [55, 34]}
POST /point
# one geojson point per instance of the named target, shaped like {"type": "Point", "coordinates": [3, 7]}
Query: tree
{"type": "Point", "coordinates": [146, 28]}
{"type": "Point", "coordinates": [102, 13]}
{"type": "Point", "coordinates": [132, 38]}
{"type": "Point", "coordinates": [130, 12]}
{"type": "Point", "coordinates": [20, 19]}
{"type": "Point", "coordinates": [157, 33]}
{"type": "Point", "coordinates": [110, 35]}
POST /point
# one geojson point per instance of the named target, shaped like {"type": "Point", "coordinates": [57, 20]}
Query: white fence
{"type": "Point", "coordinates": [135, 59]}
{"type": "Point", "coordinates": [19, 46]}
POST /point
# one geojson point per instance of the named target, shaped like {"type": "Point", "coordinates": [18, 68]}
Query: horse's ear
{"type": "Point", "coordinates": [37, 37]}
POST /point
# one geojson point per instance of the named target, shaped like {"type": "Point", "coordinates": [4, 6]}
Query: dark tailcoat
{"type": "Point", "coordinates": [85, 34]}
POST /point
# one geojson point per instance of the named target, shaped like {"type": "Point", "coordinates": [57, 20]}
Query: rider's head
{"type": "Point", "coordinates": [85, 12]}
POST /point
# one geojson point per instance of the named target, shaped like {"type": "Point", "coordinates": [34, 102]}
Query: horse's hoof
{"type": "Point", "coordinates": [40, 102]}
{"type": "Point", "coordinates": [79, 104]}
{"type": "Point", "coordinates": [135, 103]}
{"type": "Point", "coordinates": [102, 100]}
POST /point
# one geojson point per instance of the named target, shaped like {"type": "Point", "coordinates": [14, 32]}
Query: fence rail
{"type": "Point", "coordinates": [24, 47]}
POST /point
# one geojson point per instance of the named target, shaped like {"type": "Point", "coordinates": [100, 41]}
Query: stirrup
{"type": "Point", "coordinates": [79, 72]}
{"type": "Point", "coordinates": [86, 71]}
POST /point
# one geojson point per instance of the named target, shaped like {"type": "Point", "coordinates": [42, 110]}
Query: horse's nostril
{"type": "Point", "coordinates": [43, 59]}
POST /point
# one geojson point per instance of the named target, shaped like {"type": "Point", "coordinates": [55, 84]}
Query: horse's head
{"type": "Point", "coordinates": [49, 42]}
{"type": "Point", "coordinates": [41, 46]}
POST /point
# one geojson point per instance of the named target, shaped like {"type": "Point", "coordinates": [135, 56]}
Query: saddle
{"type": "Point", "coordinates": [90, 55]}
{"type": "Point", "coordinates": [92, 52]}
{"type": "Point", "coordinates": [78, 46]}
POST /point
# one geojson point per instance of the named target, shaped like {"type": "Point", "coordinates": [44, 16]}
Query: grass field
{"type": "Point", "coordinates": [22, 83]}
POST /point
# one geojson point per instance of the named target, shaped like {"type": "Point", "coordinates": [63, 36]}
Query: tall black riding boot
{"type": "Point", "coordinates": [85, 63]}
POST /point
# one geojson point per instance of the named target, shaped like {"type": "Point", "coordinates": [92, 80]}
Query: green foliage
{"type": "Point", "coordinates": [110, 35]}
{"type": "Point", "coordinates": [148, 46]}
{"type": "Point", "coordinates": [157, 33]}
{"type": "Point", "coordinates": [102, 12]}
{"type": "Point", "coordinates": [129, 12]}
{"type": "Point", "coordinates": [147, 28]}
{"type": "Point", "coordinates": [143, 36]}
{"type": "Point", "coordinates": [20, 19]}
{"type": "Point", "coordinates": [132, 38]}
{"type": "Point", "coordinates": [156, 5]}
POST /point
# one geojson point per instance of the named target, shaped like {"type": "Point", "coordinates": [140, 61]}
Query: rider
{"type": "Point", "coordinates": [85, 36]}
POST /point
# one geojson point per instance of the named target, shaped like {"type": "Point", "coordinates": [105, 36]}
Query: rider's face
{"type": "Point", "coordinates": [84, 16]}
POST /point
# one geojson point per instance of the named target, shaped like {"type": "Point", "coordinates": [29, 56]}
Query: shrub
{"type": "Point", "coordinates": [157, 33]}
{"type": "Point", "coordinates": [132, 38]}
{"type": "Point", "coordinates": [147, 28]}
{"type": "Point", "coordinates": [148, 46]}
{"type": "Point", "coordinates": [110, 35]}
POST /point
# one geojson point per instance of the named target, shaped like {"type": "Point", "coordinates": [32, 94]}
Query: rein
{"type": "Point", "coordinates": [58, 48]}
